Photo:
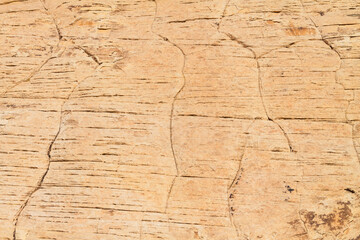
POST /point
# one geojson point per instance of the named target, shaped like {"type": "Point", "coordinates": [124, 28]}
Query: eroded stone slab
{"type": "Point", "coordinates": [179, 119]}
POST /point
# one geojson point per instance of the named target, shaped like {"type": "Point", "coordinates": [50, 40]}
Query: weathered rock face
{"type": "Point", "coordinates": [229, 119]}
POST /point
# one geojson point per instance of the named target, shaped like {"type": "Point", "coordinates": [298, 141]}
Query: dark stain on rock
{"type": "Point", "coordinates": [349, 190]}
{"type": "Point", "coordinates": [357, 238]}
{"type": "Point", "coordinates": [295, 223]}
{"type": "Point", "coordinates": [345, 211]}
{"type": "Point", "coordinates": [333, 221]}
{"type": "Point", "coordinates": [310, 218]}
{"type": "Point", "coordinates": [357, 16]}
{"type": "Point", "coordinates": [289, 188]}
{"type": "Point", "coordinates": [337, 219]}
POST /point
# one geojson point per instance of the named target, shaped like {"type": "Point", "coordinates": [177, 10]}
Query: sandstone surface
{"type": "Point", "coordinates": [180, 119]}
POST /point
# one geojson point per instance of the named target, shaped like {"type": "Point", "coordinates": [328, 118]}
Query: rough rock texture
{"type": "Point", "coordinates": [180, 119]}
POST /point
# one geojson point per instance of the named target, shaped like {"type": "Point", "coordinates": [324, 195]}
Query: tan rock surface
{"type": "Point", "coordinates": [181, 119]}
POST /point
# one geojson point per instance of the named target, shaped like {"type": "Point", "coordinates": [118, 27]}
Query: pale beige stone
{"type": "Point", "coordinates": [179, 119]}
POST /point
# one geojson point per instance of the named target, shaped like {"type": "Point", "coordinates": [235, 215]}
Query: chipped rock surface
{"type": "Point", "coordinates": [180, 119]}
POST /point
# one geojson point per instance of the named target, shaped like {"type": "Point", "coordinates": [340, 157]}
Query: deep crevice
{"type": "Point", "coordinates": [93, 57]}
{"type": "Point", "coordinates": [40, 182]}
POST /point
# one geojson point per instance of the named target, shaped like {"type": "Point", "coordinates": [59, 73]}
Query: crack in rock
{"type": "Point", "coordinates": [336, 78]}
{"type": "Point", "coordinates": [169, 194]}
{"type": "Point", "coordinates": [60, 36]}
{"type": "Point", "coordinates": [46, 60]}
{"type": "Point", "coordinates": [173, 102]}
{"type": "Point", "coordinates": [256, 58]}
{"type": "Point", "coordinates": [317, 28]}
{"type": "Point", "coordinates": [30, 76]}
{"type": "Point", "coordinates": [39, 183]}
{"type": "Point", "coordinates": [54, 21]}
{"type": "Point", "coordinates": [90, 55]}
{"type": "Point", "coordinates": [235, 182]}
{"type": "Point", "coordinates": [41, 180]}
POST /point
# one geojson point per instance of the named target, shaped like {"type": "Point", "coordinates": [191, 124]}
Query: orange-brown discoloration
{"type": "Point", "coordinates": [300, 31]}
{"type": "Point", "coordinates": [83, 22]}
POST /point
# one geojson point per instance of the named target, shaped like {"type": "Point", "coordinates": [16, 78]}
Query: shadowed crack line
{"type": "Point", "coordinates": [336, 79]}
{"type": "Point", "coordinates": [41, 180]}
{"type": "Point", "coordinates": [169, 193]}
{"type": "Point", "coordinates": [241, 157]}
{"type": "Point", "coordinates": [90, 55]}
{"type": "Point", "coordinates": [222, 15]}
{"type": "Point", "coordinates": [56, 26]}
{"type": "Point", "coordinates": [39, 183]}
{"type": "Point", "coordinates": [301, 166]}
{"type": "Point", "coordinates": [303, 224]}
{"type": "Point", "coordinates": [235, 181]}
{"type": "Point", "coordinates": [238, 173]}
{"type": "Point", "coordinates": [317, 28]}
{"type": "Point", "coordinates": [44, 62]}
{"type": "Point", "coordinates": [191, 20]}
{"type": "Point", "coordinates": [60, 36]}
{"type": "Point", "coordinates": [353, 140]}
{"type": "Point", "coordinates": [30, 76]}
{"type": "Point", "coordinates": [13, 1]}
{"type": "Point", "coordinates": [329, 45]}
{"type": "Point", "coordinates": [233, 38]}
{"type": "Point", "coordinates": [244, 45]}
{"type": "Point", "coordinates": [173, 102]}
{"type": "Point", "coordinates": [264, 106]}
